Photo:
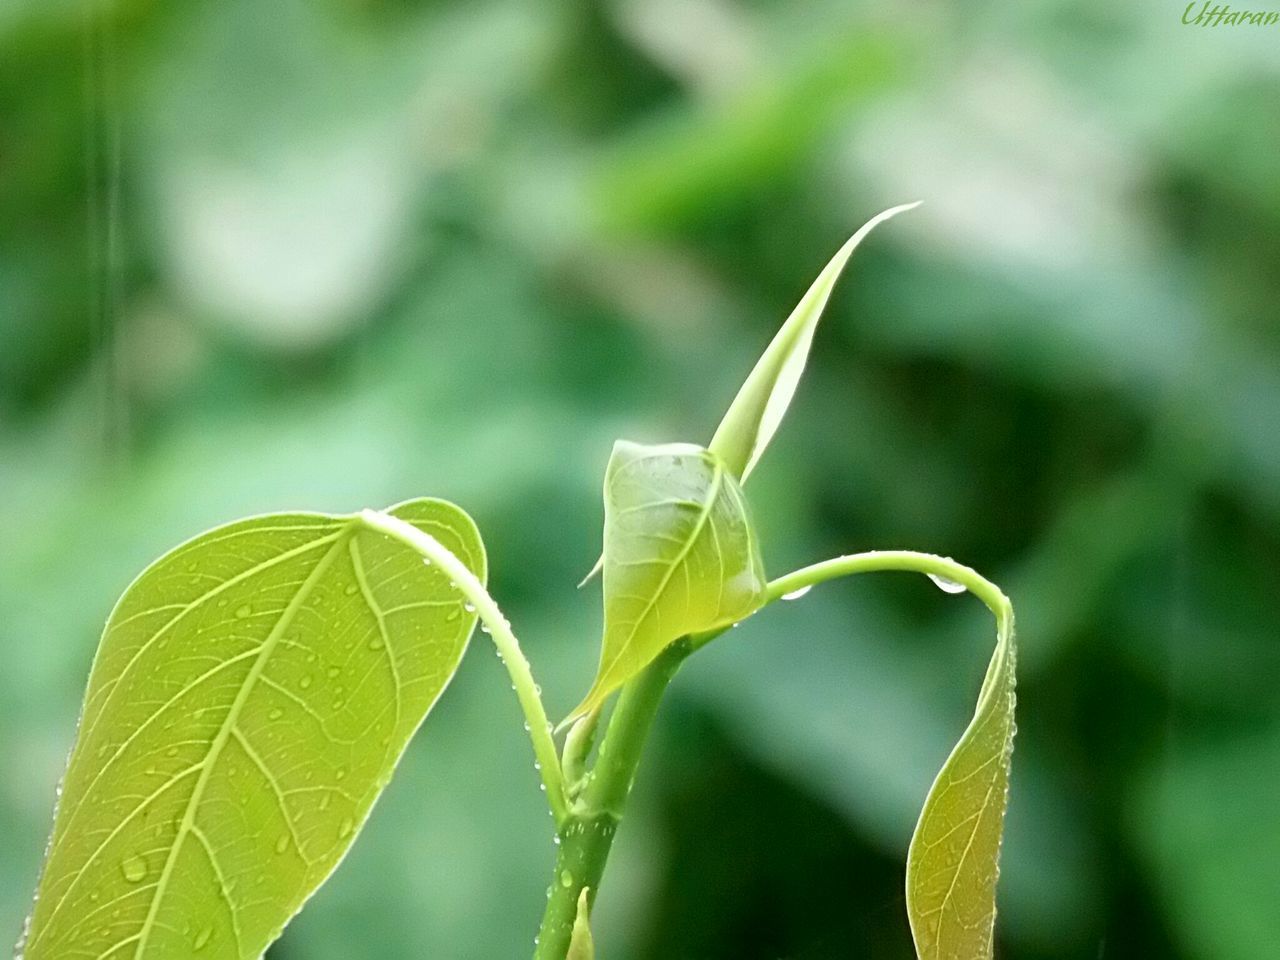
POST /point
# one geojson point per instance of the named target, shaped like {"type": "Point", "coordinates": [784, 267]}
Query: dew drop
{"type": "Point", "coordinates": [333, 671]}
{"type": "Point", "coordinates": [275, 714]}
{"type": "Point", "coordinates": [797, 594]}
{"type": "Point", "coordinates": [243, 611]}
{"type": "Point", "coordinates": [947, 586]}
{"type": "Point", "coordinates": [375, 643]}
{"type": "Point", "coordinates": [324, 801]}
{"type": "Point", "coordinates": [283, 843]}
{"type": "Point", "coordinates": [351, 588]}
{"type": "Point", "coordinates": [345, 828]}
{"type": "Point", "coordinates": [203, 938]}
{"type": "Point", "coordinates": [566, 879]}
{"type": "Point", "coordinates": [134, 869]}
{"type": "Point", "coordinates": [305, 682]}
{"type": "Point", "coordinates": [469, 607]}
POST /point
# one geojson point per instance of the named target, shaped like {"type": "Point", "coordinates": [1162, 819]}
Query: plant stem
{"type": "Point", "coordinates": [587, 837]}
{"type": "Point", "coordinates": [879, 561]}
{"type": "Point", "coordinates": [876, 561]}
{"type": "Point", "coordinates": [499, 629]}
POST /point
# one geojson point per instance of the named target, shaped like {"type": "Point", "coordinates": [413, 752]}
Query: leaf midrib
{"type": "Point", "coordinates": [220, 740]}
{"type": "Point", "coordinates": [64, 831]}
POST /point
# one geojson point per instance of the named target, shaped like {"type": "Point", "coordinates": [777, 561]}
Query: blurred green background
{"type": "Point", "coordinates": [322, 254]}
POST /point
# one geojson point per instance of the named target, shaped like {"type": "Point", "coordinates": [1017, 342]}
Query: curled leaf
{"type": "Point", "coordinates": [954, 859]}
{"type": "Point", "coordinates": [757, 410]}
{"type": "Point", "coordinates": [252, 694]}
{"type": "Point", "coordinates": [680, 556]}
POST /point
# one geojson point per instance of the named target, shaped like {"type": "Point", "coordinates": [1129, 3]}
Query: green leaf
{"type": "Point", "coordinates": [761, 403]}
{"type": "Point", "coordinates": [954, 859]}
{"type": "Point", "coordinates": [680, 556]}
{"type": "Point", "coordinates": [252, 694]}
{"type": "Point", "coordinates": [582, 945]}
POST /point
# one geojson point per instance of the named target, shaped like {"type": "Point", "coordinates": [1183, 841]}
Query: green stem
{"type": "Point", "coordinates": [879, 561]}
{"type": "Point", "coordinates": [587, 837]}
{"type": "Point", "coordinates": [499, 629]}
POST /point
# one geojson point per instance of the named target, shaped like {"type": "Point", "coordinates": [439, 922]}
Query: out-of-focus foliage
{"type": "Point", "coordinates": [265, 256]}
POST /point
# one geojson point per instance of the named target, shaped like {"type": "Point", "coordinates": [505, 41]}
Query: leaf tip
{"type": "Point", "coordinates": [592, 572]}
{"type": "Point", "coordinates": [581, 943]}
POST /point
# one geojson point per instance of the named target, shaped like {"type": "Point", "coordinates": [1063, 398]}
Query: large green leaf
{"type": "Point", "coordinates": [762, 401]}
{"type": "Point", "coordinates": [252, 694]}
{"type": "Point", "coordinates": [954, 859]}
{"type": "Point", "coordinates": [680, 556]}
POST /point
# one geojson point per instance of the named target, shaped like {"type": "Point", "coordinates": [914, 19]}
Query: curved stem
{"type": "Point", "coordinates": [587, 835]}
{"type": "Point", "coordinates": [499, 630]}
{"type": "Point", "coordinates": [879, 561]}
{"type": "Point", "coordinates": [876, 561]}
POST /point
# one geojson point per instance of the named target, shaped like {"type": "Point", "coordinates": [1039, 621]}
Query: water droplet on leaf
{"type": "Point", "coordinates": [134, 869]}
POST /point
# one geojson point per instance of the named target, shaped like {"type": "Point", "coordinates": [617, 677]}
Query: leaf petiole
{"type": "Point", "coordinates": [878, 561]}
{"type": "Point", "coordinates": [499, 630]}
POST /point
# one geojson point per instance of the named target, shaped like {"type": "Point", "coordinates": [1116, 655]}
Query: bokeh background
{"type": "Point", "coordinates": [268, 254]}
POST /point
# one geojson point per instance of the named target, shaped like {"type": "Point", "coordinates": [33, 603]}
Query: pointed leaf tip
{"type": "Point", "coordinates": [582, 944]}
{"type": "Point", "coordinates": [762, 401]}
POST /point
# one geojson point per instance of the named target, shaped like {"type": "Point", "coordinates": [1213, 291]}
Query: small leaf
{"type": "Point", "coordinates": [251, 696]}
{"type": "Point", "coordinates": [582, 946]}
{"type": "Point", "coordinates": [954, 859]}
{"type": "Point", "coordinates": [680, 556]}
{"type": "Point", "coordinates": [761, 403]}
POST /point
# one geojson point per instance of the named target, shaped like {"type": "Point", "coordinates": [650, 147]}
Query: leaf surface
{"type": "Point", "coordinates": [680, 556]}
{"type": "Point", "coordinates": [252, 694]}
{"type": "Point", "coordinates": [954, 859]}
{"type": "Point", "coordinates": [762, 401]}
